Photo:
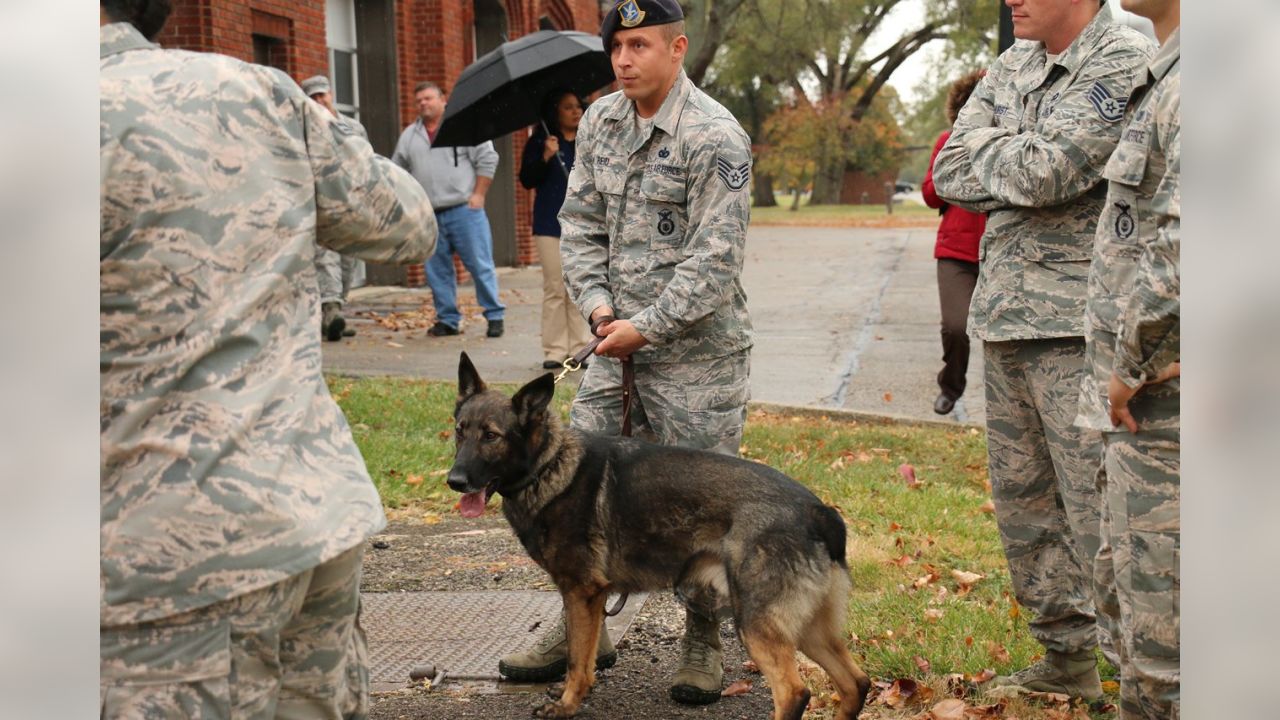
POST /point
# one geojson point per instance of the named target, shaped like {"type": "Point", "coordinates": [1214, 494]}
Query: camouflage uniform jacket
{"type": "Point", "coordinates": [655, 225]}
{"type": "Point", "coordinates": [1029, 147]}
{"type": "Point", "coordinates": [225, 464]}
{"type": "Point", "coordinates": [1132, 319]}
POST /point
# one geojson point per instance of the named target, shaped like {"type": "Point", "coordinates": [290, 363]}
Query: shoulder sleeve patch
{"type": "Point", "coordinates": [735, 177]}
{"type": "Point", "coordinates": [1109, 107]}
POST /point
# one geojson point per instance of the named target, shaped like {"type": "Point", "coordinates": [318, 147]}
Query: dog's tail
{"type": "Point", "coordinates": [831, 531]}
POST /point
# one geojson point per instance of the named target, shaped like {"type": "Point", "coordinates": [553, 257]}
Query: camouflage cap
{"type": "Point", "coordinates": [631, 14]}
{"type": "Point", "coordinates": [315, 85]}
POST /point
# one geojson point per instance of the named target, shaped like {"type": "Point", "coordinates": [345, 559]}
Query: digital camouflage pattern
{"type": "Point", "coordinates": [1043, 473]}
{"type": "Point", "coordinates": [264, 655]}
{"type": "Point", "coordinates": [1140, 223]}
{"type": "Point", "coordinates": [1133, 328]}
{"type": "Point", "coordinates": [701, 405]}
{"type": "Point", "coordinates": [654, 223]}
{"type": "Point", "coordinates": [1029, 148]}
{"type": "Point", "coordinates": [226, 467]}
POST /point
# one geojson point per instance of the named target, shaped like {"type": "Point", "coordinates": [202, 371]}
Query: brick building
{"type": "Point", "coordinates": [374, 52]}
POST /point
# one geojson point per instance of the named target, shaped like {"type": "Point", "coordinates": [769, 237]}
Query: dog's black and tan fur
{"type": "Point", "coordinates": [605, 514]}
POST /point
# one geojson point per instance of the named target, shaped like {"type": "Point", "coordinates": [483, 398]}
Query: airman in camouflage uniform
{"type": "Point", "coordinates": [337, 274]}
{"type": "Point", "coordinates": [234, 501]}
{"type": "Point", "coordinates": [1133, 330]}
{"type": "Point", "coordinates": [1029, 147]}
{"type": "Point", "coordinates": [654, 233]}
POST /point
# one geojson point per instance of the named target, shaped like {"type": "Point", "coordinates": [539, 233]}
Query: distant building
{"type": "Point", "coordinates": [374, 52]}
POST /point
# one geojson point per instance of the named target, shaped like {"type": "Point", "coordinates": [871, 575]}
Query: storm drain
{"type": "Point", "coordinates": [463, 634]}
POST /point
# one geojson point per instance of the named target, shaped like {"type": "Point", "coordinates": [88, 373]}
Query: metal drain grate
{"type": "Point", "coordinates": [463, 633]}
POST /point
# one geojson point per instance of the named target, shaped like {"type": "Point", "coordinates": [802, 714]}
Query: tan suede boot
{"type": "Point", "coordinates": [549, 658]}
{"type": "Point", "coordinates": [701, 672]}
{"type": "Point", "coordinates": [1074, 674]}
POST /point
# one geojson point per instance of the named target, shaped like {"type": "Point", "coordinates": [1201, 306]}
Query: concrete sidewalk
{"type": "Point", "coordinates": [845, 319]}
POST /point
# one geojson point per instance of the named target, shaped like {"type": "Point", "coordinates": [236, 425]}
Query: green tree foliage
{"type": "Point", "coordinates": [761, 55]}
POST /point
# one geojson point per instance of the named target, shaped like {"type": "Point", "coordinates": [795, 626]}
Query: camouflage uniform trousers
{"type": "Point", "coordinates": [1137, 569]}
{"type": "Point", "coordinates": [1044, 485]}
{"type": "Point", "coordinates": [700, 405]}
{"type": "Point", "coordinates": [337, 275]}
{"type": "Point", "coordinates": [291, 650]}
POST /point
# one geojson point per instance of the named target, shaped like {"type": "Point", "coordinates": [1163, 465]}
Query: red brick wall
{"type": "Point", "coordinates": [227, 27]}
{"type": "Point", "coordinates": [857, 182]}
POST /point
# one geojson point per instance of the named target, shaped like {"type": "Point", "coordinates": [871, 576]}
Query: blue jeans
{"type": "Point", "coordinates": [466, 232]}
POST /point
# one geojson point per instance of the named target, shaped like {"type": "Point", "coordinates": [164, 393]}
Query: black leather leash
{"type": "Point", "coordinates": [574, 364]}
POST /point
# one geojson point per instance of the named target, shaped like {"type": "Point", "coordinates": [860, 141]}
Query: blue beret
{"type": "Point", "coordinates": [630, 14]}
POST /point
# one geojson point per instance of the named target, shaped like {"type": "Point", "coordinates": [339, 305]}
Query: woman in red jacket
{"type": "Point", "coordinates": [957, 254]}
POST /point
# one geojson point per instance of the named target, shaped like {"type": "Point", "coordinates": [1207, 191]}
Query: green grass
{"type": "Point", "coordinates": [904, 543]}
{"type": "Point", "coordinates": [904, 214]}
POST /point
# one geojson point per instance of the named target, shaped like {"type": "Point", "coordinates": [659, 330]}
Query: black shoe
{"type": "Point", "coordinates": [550, 365]}
{"type": "Point", "coordinates": [943, 405]}
{"type": "Point", "coordinates": [349, 332]}
{"type": "Point", "coordinates": [495, 329]}
{"type": "Point", "coordinates": [331, 322]}
{"type": "Point", "coordinates": [440, 329]}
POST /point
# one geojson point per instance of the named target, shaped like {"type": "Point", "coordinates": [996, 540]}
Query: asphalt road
{"type": "Point", "coordinates": [844, 318]}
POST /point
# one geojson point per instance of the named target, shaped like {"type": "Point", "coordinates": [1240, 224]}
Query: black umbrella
{"type": "Point", "coordinates": [504, 90]}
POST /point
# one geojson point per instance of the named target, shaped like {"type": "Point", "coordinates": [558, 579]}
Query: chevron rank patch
{"type": "Point", "coordinates": [735, 177]}
{"type": "Point", "coordinates": [1109, 107]}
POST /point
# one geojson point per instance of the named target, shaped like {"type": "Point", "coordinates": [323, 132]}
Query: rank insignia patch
{"type": "Point", "coordinates": [734, 177]}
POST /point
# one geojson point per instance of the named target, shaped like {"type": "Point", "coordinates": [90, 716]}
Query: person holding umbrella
{"type": "Point", "coordinates": [654, 229]}
{"type": "Point", "coordinates": [548, 158]}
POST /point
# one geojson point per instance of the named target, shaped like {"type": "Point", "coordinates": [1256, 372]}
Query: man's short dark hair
{"type": "Point", "coordinates": [427, 85]}
{"type": "Point", "coordinates": [148, 16]}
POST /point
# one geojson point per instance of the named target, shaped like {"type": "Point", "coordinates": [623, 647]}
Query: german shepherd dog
{"type": "Point", "coordinates": [610, 514]}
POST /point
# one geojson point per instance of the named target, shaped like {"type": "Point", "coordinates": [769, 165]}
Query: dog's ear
{"type": "Point", "coordinates": [532, 399]}
{"type": "Point", "coordinates": [469, 382]}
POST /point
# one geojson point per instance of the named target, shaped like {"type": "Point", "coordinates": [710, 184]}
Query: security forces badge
{"type": "Point", "coordinates": [631, 14]}
{"type": "Point", "coordinates": [1124, 221]}
{"type": "Point", "coordinates": [666, 225]}
{"type": "Point", "coordinates": [735, 177]}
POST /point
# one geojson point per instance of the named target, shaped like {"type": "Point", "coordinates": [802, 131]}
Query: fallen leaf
{"type": "Point", "coordinates": [966, 579]}
{"type": "Point", "coordinates": [988, 507]}
{"type": "Point", "coordinates": [950, 709]}
{"type": "Point", "coordinates": [738, 687]}
{"type": "Point", "coordinates": [998, 652]}
{"type": "Point", "coordinates": [751, 667]}
{"type": "Point", "coordinates": [933, 614]}
{"type": "Point", "coordinates": [394, 344]}
{"type": "Point", "coordinates": [903, 561]}
{"type": "Point", "coordinates": [904, 691]}
{"type": "Point", "coordinates": [984, 676]}
{"type": "Point", "coordinates": [1014, 609]}
{"type": "Point", "coordinates": [837, 464]}
{"type": "Point", "coordinates": [909, 474]}
{"type": "Point", "coordinates": [413, 480]}
{"type": "Point", "coordinates": [922, 663]}
{"type": "Point", "coordinates": [888, 397]}
{"type": "Point", "coordinates": [1110, 686]}
{"type": "Point", "coordinates": [893, 526]}
{"type": "Point", "coordinates": [439, 473]}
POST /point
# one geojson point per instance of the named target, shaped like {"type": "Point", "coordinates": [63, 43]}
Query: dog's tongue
{"type": "Point", "coordinates": [472, 504]}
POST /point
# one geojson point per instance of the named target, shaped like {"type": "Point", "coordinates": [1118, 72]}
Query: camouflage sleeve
{"type": "Point", "coordinates": [584, 237]}
{"type": "Point", "coordinates": [366, 206]}
{"type": "Point", "coordinates": [954, 177]}
{"type": "Point", "coordinates": [1067, 153]}
{"type": "Point", "coordinates": [719, 210]}
{"type": "Point", "coordinates": [1150, 329]}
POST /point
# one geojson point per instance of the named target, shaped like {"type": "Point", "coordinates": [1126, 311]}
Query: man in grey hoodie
{"type": "Point", "coordinates": [456, 180]}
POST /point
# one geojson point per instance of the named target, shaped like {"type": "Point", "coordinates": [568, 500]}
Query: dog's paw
{"type": "Point", "coordinates": [555, 691]}
{"type": "Point", "coordinates": [555, 710]}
